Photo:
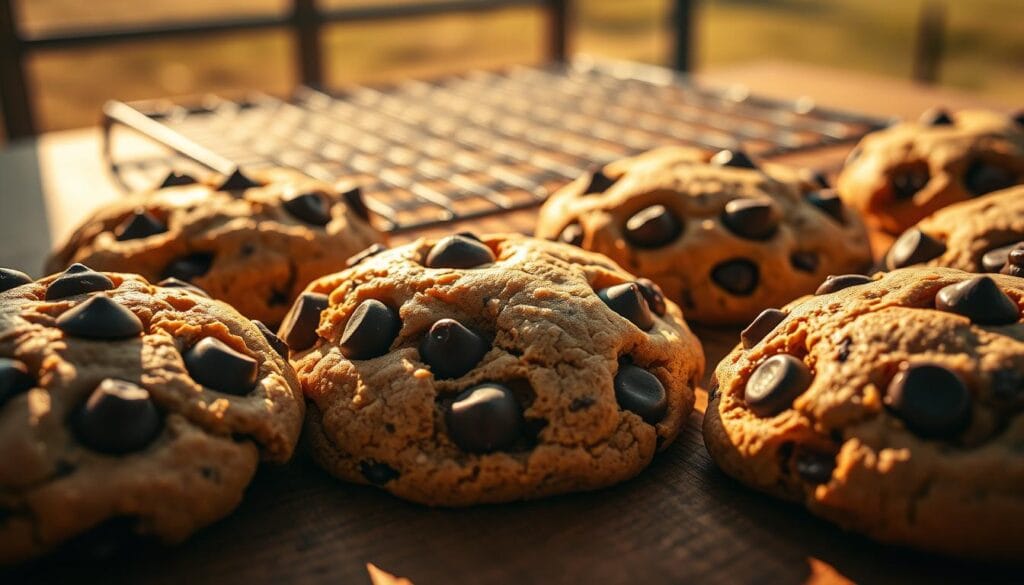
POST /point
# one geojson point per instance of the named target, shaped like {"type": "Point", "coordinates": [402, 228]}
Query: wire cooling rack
{"type": "Point", "coordinates": [431, 152]}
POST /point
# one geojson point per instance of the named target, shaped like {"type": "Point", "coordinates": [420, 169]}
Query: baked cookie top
{"type": "Point", "coordinates": [252, 242]}
{"type": "Point", "coordinates": [723, 236]}
{"type": "Point", "coordinates": [464, 370]}
{"type": "Point", "coordinates": [892, 406]}
{"type": "Point", "coordinates": [122, 400]}
{"type": "Point", "coordinates": [900, 175]}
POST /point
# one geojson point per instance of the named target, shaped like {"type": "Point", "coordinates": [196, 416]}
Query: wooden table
{"type": "Point", "coordinates": [681, 520]}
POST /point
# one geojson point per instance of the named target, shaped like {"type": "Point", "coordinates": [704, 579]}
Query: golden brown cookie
{"type": "Point", "coordinates": [723, 236]}
{"type": "Point", "coordinates": [254, 243]}
{"type": "Point", "coordinates": [891, 406]}
{"type": "Point", "coordinates": [461, 371]}
{"type": "Point", "coordinates": [132, 405]}
{"type": "Point", "coordinates": [900, 175]}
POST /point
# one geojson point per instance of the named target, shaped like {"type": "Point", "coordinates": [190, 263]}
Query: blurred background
{"type": "Point", "coordinates": [976, 45]}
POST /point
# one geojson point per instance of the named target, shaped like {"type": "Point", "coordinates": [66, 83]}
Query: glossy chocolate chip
{"type": "Point", "coordinates": [1014, 261]}
{"type": "Point", "coordinates": [814, 467]}
{"type": "Point", "coordinates": [640, 391]}
{"type": "Point", "coordinates": [119, 417]}
{"type": "Point", "coordinates": [572, 234]}
{"type": "Point", "coordinates": [485, 418]}
{"type": "Point", "coordinates": [909, 179]}
{"type": "Point", "coordinates": [189, 267]}
{"type": "Point", "coordinates": [237, 181]}
{"type": "Point", "coordinates": [599, 182]}
{"type": "Point", "coordinates": [837, 283]}
{"type": "Point", "coordinates": [628, 301]}
{"type": "Point", "coordinates": [140, 224]}
{"type": "Point", "coordinates": [100, 317]}
{"type": "Point", "coordinates": [828, 201]}
{"type": "Point", "coordinates": [176, 283]}
{"type": "Point", "coordinates": [76, 280]}
{"type": "Point", "coordinates": [378, 473]}
{"type": "Point", "coordinates": [370, 330]}
{"type": "Point", "coordinates": [276, 343]}
{"type": "Point", "coordinates": [761, 326]}
{"type": "Point", "coordinates": [733, 158]}
{"type": "Point", "coordinates": [653, 227]}
{"type": "Point", "coordinates": [913, 247]}
{"type": "Point", "coordinates": [459, 252]}
{"type": "Point", "coordinates": [298, 329]}
{"type": "Point", "coordinates": [980, 300]}
{"type": "Point", "coordinates": [936, 117]}
{"type": "Point", "coordinates": [215, 365]}
{"type": "Point", "coordinates": [11, 278]}
{"type": "Point", "coordinates": [805, 261]}
{"type": "Point", "coordinates": [994, 259]}
{"type": "Point", "coordinates": [14, 379]}
{"type": "Point", "coordinates": [737, 276]}
{"type": "Point", "coordinates": [754, 219]}
{"type": "Point", "coordinates": [931, 400]}
{"type": "Point", "coordinates": [775, 384]}
{"type": "Point", "coordinates": [983, 177]}
{"type": "Point", "coordinates": [369, 252]}
{"type": "Point", "coordinates": [312, 207]}
{"type": "Point", "coordinates": [176, 179]}
{"type": "Point", "coordinates": [653, 295]}
{"type": "Point", "coordinates": [354, 199]}
{"type": "Point", "coordinates": [451, 349]}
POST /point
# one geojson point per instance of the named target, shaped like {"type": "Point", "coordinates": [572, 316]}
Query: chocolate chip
{"type": "Point", "coordinates": [804, 261]}
{"type": "Point", "coordinates": [11, 278]}
{"type": "Point", "coordinates": [572, 234]}
{"type": "Point", "coordinates": [276, 343]}
{"type": "Point", "coordinates": [775, 384]}
{"type": "Point", "coordinates": [982, 177]}
{"type": "Point", "coordinates": [373, 250]}
{"type": "Point", "coordinates": [470, 235]}
{"type": "Point", "coordinates": [298, 329]}
{"type": "Point", "coordinates": [814, 467]}
{"type": "Point", "coordinates": [176, 283]}
{"type": "Point", "coordinates": [936, 117]}
{"type": "Point", "coordinates": [761, 326]}
{"type": "Point", "coordinates": [819, 179]}
{"type": "Point", "coordinates": [485, 418]}
{"type": "Point", "coordinates": [733, 158]}
{"type": "Point", "coordinates": [370, 330]}
{"type": "Point", "coordinates": [931, 400]}
{"type": "Point", "coordinates": [653, 295]}
{"type": "Point", "coordinates": [980, 300]}
{"type": "Point", "coordinates": [378, 473]}
{"type": "Point", "coordinates": [583, 403]}
{"type": "Point", "coordinates": [653, 227]}
{"type": "Point", "coordinates": [451, 349]}
{"type": "Point", "coordinates": [628, 300]}
{"type": "Point", "coordinates": [14, 379]}
{"type": "Point", "coordinates": [312, 208]}
{"type": "Point", "coordinates": [754, 219]}
{"type": "Point", "coordinates": [119, 417]}
{"type": "Point", "coordinates": [188, 267]}
{"type": "Point", "coordinates": [237, 181]}
{"type": "Point", "coordinates": [1018, 118]}
{"type": "Point", "coordinates": [994, 259]}
{"type": "Point", "coordinates": [908, 180]}
{"type": "Point", "coordinates": [837, 283]}
{"type": "Point", "coordinates": [913, 247]}
{"type": "Point", "coordinates": [640, 391]}
{"type": "Point", "coordinates": [737, 276]}
{"type": "Point", "coordinates": [141, 224]}
{"type": "Point", "coordinates": [828, 201]}
{"type": "Point", "coordinates": [843, 352]}
{"type": "Point", "coordinates": [459, 252]}
{"type": "Point", "coordinates": [76, 280]}
{"type": "Point", "coordinates": [215, 365]}
{"type": "Point", "coordinates": [176, 179]}
{"type": "Point", "coordinates": [1014, 261]}
{"type": "Point", "coordinates": [354, 199]}
{"type": "Point", "coordinates": [599, 182]}
{"type": "Point", "coordinates": [100, 317]}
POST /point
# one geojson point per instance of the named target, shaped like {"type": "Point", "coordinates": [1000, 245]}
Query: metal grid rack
{"type": "Point", "coordinates": [431, 152]}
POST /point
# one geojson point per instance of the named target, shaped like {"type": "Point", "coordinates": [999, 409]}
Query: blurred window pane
{"type": "Point", "coordinates": [328, 4]}
{"type": "Point", "coordinates": [637, 30]}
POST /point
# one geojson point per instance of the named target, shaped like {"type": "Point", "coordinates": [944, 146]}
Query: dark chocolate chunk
{"type": "Point", "coordinates": [469, 234]}
{"type": "Point", "coordinates": [843, 351]}
{"type": "Point", "coordinates": [599, 182]}
{"type": "Point", "coordinates": [754, 219]}
{"type": "Point", "coordinates": [485, 418]}
{"type": "Point", "coordinates": [311, 207]}
{"type": "Point", "coordinates": [14, 379]}
{"type": "Point", "coordinates": [804, 261]}
{"type": "Point", "coordinates": [909, 179]}
{"type": "Point", "coordinates": [931, 400]}
{"type": "Point", "coordinates": [761, 326]}
{"type": "Point", "coordinates": [176, 283]}
{"type": "Point", "coordinates": [653, 227]}
{"type": "Point", "coordinates": [140, 224]}
{"type": "Point", "coordinates": [354, 199]}
{"type": "Point", "coordinates": [733, 158]}
{"type": "Point", "coordinates": [378, 473]}
{"type": "Point", "coordinates": [837, 283]}
{"type": "Point", "coordinates": [1018, 117]}
{"type": "Point", "coordinates": [298, 329]}
{"type": "Point", "coordinates": [237, 181]}
{"type": "Point", "coordinates": [640, 391]}
{"type": "Point", "coordinates": [372, 250]}
{"type": "Point", "coordinates": [583, 403]}
{"type": "Point", "coordinates": [459, 252]}
{"type": "Point", "coordinates": [653, 295]}
{"type": "Point", "coordinates": [214, 364]}
{"type": "Point", "coordinates": [913, 247]}
{"type": "Point", "coordinates": [100, 317]}
{"type": "Point", "coordinates": [188, 267]}
{"type": "Point", "coordinates": [828, 201]}
{"type": "Point", "coordinates": [738, 276]}
{"type": "Point", "coordinates": [451, 349]}
{"type": "Point", "coordinates": [572, 234]}
{"type": "Point", "coordinates": [176, 179]}
{"type": "Point", "coordinates": [119, 417]}
{"type": "Point", "coordinates": [984, 177]}
{"type": "Point", "coordinates": [814, 467]}
{"type": "Point", "coordinates": [276, 343]}
{"type": "Point", "coordinates": [1014, 261]}
{"type": "Point", "coordinates": [775, 384]}
{"type": "Point", "coordinates": [11, 278]}
{"type": "Point", "coordinates": [936, 117]}
{"type": "Point", "coordinates": [76, 280]}
{"type": "Point", "coordinates": [370, 330]}
{"type": "Point", "coordinates": [994, 259]}
{"type": "Point", "coordinates": [980, 300]}
{"type": "Point", "coordinates": [628, 301]}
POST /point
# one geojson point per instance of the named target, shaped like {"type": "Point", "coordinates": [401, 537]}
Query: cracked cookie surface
{"type": "Point", "coordinates": [122, 402]}
{"type": "Point", "coordinates": [892, 407]}
{"type": "Point", "coordinates": [254, 243]}
{"type": "Point", "coordinates": [460, 371]}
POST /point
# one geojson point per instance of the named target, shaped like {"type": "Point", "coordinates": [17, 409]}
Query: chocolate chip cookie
{"type": "Point", "coordinates": [893, 406]}
{"type": "Point", "coordinates": [724, 236]}
{"type": "Point", "coordinates": [132, 405]}
{"type": "Point", "coordinates": [900, 175]}
{"type": "Point", "coordinates": [462, 371]}
{"type": "Point", "coordinates": [252, 242]}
